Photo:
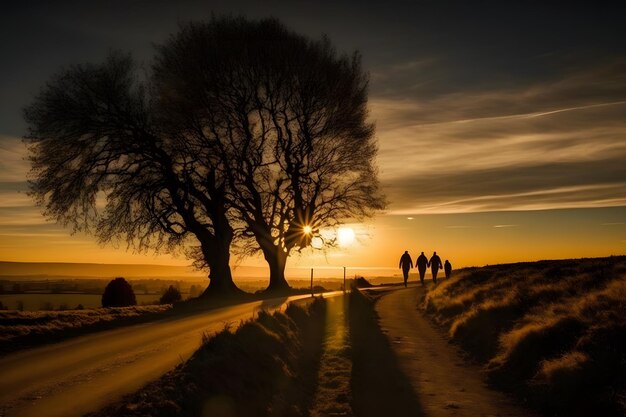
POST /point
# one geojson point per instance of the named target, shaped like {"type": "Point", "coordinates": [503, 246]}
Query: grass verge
{"type": "Point", "coordinates": [23, 329]}
{"type": "Point", "coordinates": [333, 396]}
{"type": "Point", "coordinates": [552, 332]}
{"type": "Point", "coordinates": [266, 367]}
{"type": "Point", "coordinates": [26, 329]}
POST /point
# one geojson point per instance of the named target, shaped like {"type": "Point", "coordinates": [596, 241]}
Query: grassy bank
{"type": "Point", "coordinates": [26, 329]}
{"type": "Point", "coordinates": [266, 367]}
{"type": "Point", "coordinates": [22, 329]}
{"type": "Point", "coordinates": [552, 332]}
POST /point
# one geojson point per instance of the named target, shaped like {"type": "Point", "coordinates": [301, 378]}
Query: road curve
{"type": "Point", "coordinates": [85, 373]}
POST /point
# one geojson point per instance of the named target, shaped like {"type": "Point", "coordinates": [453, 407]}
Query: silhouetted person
{"type": "Point", "coordinates": [406, 263]}
{"type": "Point", "coordinates": [435, 264]}
{"type": "Point", "coordinates": [447, 267]}
{"type": "Point", "coordinates": [421, 263]}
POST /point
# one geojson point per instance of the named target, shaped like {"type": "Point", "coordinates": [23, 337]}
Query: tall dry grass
{"type": "Point", "coordinates": [553, 332]}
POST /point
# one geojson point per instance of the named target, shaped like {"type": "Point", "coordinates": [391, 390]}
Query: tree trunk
{"type": "Point", "coordinates": [217, 256]}
{"type": "Point", "coordinates": [277, 260]}
{"type": "Point", "coordinates": [220, 280]}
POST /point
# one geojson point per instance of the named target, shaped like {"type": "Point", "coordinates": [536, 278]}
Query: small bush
{"type": "Point", "coordinates": [170, 296]}
{"type": "Point", "coordinates": [118, 293]}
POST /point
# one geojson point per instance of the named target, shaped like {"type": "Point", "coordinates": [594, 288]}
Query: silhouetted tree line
{"type": "Point", "coordinates": [240, 135]}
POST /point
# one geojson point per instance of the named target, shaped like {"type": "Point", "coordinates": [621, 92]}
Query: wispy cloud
{"type": "Point", "coordinates": [13, 163]}
{"type": "Point", "coordinates": [549, 145]}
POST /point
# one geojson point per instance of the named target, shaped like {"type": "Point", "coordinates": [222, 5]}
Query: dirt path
{"type": "Point", "coordinates": [443, 384]}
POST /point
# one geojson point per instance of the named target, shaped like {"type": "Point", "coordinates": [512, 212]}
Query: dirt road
{"type": "Point", "coordinates": [443, 384]}
{"type": "Point", "coordinates": [83, 374]}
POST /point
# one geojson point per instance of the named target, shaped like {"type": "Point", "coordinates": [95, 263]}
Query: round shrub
{"type": "Point", "coordinates": [118, 293]}
{"type": "Point", "coordinates": [171, 296]}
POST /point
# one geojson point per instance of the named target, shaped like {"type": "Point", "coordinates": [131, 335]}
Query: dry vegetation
{"type": "Point", "coordinates": [266, 367]}
{"type": "Point", "coordinates": [553, 332]}
{"type": "Point", "coordinates": [19, 329]}
{"type": "Point", "coordinates": [25, 329]}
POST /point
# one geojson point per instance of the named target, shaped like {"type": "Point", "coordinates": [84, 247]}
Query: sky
{"type": "Point", "coordinates": [501, 125]}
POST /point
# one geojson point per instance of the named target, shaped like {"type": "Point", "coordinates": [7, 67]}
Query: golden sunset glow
{"type": "Point", "coordinates": [530, 168]}
{"type": "Point", "coordinates": [315, 208]}
{"type": "Point", "coordinates": [345, 236]}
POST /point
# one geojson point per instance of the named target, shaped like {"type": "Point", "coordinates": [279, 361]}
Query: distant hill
{"type": "Point", "coordinates": [84, 270]}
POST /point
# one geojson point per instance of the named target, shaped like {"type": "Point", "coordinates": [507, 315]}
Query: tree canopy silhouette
{"type": "Point", "coordinates": [103, 162]}
{"type": "Point", "coordinates": [286, 116]}
{"type": "Point", "coordinates": [243, 130]}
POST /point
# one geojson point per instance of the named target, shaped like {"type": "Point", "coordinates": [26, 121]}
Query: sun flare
{"type": "Point", "coordinates": [345, 236]}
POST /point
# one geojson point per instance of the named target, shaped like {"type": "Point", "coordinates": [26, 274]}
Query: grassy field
{"type": "Point", "coordinates": [20, 329]}
{"type": "Point", "coordinates": [265, 367]}
{"type": "Point", "coordinates": [552, 332]}
{"type": "Point", "coordinates": [37, 302]}
{"type": "Point", "coordinates": [88, 293]}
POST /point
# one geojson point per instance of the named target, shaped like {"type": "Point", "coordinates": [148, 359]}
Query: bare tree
{"type": "Point", "coordinates": [287, 117]}
{"type": "Point", "coordinates": [106, 162]}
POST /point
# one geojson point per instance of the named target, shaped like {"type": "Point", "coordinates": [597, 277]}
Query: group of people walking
{"type": "Point", "coordinates": [422, 263]}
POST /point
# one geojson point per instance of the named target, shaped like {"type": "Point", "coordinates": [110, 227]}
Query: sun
{"type": "Point", "coordinates": [345, 236]}
{"type": "Point", "coordinates": [307, 230]}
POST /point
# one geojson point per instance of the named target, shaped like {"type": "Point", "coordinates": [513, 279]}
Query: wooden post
{"type": "Point", "coordinates": [311, 281]}
{"type": "Point", "coordinates": [344, 279]}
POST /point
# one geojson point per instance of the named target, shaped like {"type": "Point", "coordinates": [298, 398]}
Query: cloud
{"type": "Point", "coordinates": [17, 209]}
{"type": "Point", "coordinates": [553, 145]}
{"type": "Point", "coordinates": [13, 164]}
{"type": "Point", "coordinates": [20, 216]}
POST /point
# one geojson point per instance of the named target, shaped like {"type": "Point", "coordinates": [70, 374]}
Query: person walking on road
{"type": "Point", "coordinates": [435, 264]}
{"type": "Point", "coordinates": [406, 263]}
{"type": "Point", "coordinates": [447, 267]}
{"type": "Point", "coordinates": [421, 263]}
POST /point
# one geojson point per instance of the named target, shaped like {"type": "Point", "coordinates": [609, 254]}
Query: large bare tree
{"type": "Point", "coordinates": [105, 161]}
{"type": "Point", "coordinates": [287, 117]}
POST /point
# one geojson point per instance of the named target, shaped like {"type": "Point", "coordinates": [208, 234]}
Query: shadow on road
{"type": "Point", "coordinates": [379, 388]}
{"type": "Point", "coordinates": [272, 302]}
